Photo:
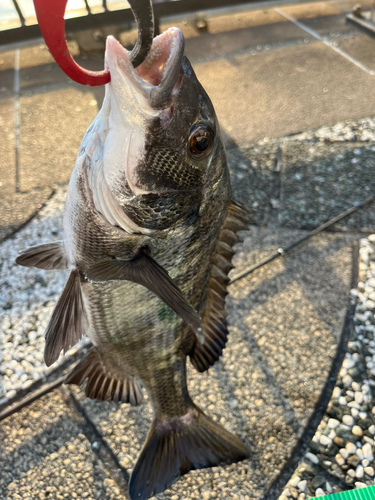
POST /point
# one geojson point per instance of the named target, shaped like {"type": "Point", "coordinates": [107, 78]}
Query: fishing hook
{"type": "Point", "coordinates": [50, 15]}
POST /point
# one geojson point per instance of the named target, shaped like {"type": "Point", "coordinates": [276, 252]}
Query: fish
{"type": "Point", "coordinates": [149, 230]}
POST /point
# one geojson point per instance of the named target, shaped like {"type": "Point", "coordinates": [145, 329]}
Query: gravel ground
{"type": "Point", "coordinates": [27, 298]}
{"type": "Point", "coordinates": [341, 454]}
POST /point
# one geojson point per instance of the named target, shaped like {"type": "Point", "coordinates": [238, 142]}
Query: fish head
{"type": "Point", "coordinates": [161, 136]}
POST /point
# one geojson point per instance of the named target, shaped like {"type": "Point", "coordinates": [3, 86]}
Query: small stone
{"type": "Point", "coordinates": [359, 453]}
{"type": "Point", "coordinates": [294, 481]}
{"type": "Point", "coordinates": [348, 363]}
{"type": "Point", "coordinates": [354, 460]}
{"type": "Point", "coordinates": [325, 440]}
{"type": "Point", "coordinates": [344, 453]}
{"type": "Point", "coordinates": [369, 471]}
{"type": "Point", "coordinates": [302, 485]}
{"type": "Point", "coordinates": [313, 458]}
{"type": "Point", "coordinates": [359, 472]}
{"type": "Point", "coordinates": [293, 492]}
{"type": "Point", "coordinates": [357, 431]}
{"type": "Point", "coordinates": [333, 423]}
{"type": "Point", "coordinates": [351, 473]}
{"type": "Point", "coordinates": [339, 459]}
{"type": "Point", "coordinates": [348, 420]}
{"type": "Point", "coordinates": [359, 484]}
{"type": "Point", "coordinates": [367, 452]}
{"type": "Point", "coordinates": [354, 412]}
{"type": "Point", "coordinates": [317, 481]}
{"type": "Point", "coordinates": [319, 492]}
{"type": "Point", "coordinates": [358, 396]}
{"type": "Point", "coordinates": [351, 448]}
{"type": "Point", "coordinates": [365, 462]}
{"type": "Point", "coordinates": [372, 429]}
{"type": "Point", "coordinates": [339, 442]}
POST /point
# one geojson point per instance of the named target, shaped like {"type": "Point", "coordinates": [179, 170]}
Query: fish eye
{"type": "Point", "coordinates": [201, 141]}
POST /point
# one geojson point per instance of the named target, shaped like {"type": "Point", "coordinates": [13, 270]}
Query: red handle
{"type": "Point", "coordinates": [50, 15]}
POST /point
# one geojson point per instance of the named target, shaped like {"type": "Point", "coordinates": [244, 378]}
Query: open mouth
{"type": "Point", "coordinates": [159, 76]}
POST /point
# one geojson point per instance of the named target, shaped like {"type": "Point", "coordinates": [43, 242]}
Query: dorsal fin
{"type": "Point", "coordinates": [47, 256]}
{"type": "Point", "coordinates": [215, 329]}
{"type": "Point", "coordinates": [103, 385]}
{"type": "Point", "coordinates": [68, 322]}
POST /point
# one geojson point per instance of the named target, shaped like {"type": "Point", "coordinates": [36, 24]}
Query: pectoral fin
{"type": "Point", "coordinates": [103, 385]}
{"type": "Point", "coordinates": [145, 271]}
{"type": "Point", "coordinates": [68, 321]}
{"type": "Point", "coordinates": [205, 354]}
{"type": "Point", "coordinates": [48, 256]}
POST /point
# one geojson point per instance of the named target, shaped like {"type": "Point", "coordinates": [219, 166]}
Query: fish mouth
{"type": "Point", "coordinates": [155, 83]}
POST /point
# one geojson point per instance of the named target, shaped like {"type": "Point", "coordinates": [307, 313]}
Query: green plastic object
{"type": "Point", "coordinates": [359, 494]}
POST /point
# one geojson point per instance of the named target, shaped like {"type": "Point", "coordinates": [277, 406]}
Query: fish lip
{"type": "Point", "coordinates": [157, 77]}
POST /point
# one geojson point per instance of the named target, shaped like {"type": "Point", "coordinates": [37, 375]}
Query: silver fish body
{"type": "Point", "coordinates": [149, 228]}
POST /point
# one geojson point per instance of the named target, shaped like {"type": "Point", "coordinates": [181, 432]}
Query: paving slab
{"type": "Point", "coordinates": [52, 127]}
{"type": "Point", "coordinates": [285, 91]}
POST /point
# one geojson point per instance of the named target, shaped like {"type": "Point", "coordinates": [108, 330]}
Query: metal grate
{"type": "Point", "coordinates": [111, 13]}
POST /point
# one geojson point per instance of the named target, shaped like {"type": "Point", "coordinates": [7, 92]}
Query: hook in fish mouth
{"type": "Point", "coordinates": [158, 77]}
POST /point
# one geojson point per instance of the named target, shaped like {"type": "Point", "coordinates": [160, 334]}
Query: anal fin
{"type": "Point", "coordinates": [144, 270]}
{"type": "Point", "coordinates": [47, 256]}
{"type": "Point", "coordinates": [68, 322]}
{"type": "Point", "coordinates": [203, 355]}
{"type": "Point", "coordinates": [101, 384]}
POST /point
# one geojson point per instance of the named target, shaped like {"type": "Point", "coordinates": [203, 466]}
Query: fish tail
{"type": "Point", "coordinates": [176, 446]}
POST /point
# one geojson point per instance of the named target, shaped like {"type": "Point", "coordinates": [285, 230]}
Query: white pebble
{"type": "Point", "coordinates": [344, 452]}
{"type": "Point", "coordinates": [333, 423]}
{"type": "Point", "coordinates": [358, 396]}
{"type": "Point", "coordinates": [358, 484]}
{"type": "Point", "coordinates": [342, 400]}
{"type": "Point", "coordinates": [313, 458]}
{"type": "Point", "coordinates": [359, 472]}
{"type": "Point", "coordinates": [367, 452]}
{"type": "Point", "coordinates": [351, 448]}
{"type": "Point", "coordinates": [357, 431]}
{"type": "Point", "coordinates": [348, 363]}
{"type": "Point", "coordinates": [372, 429]}
{"type": "Point", "coordinates": [353, 404]}
{"type": "Point", "coordinates": [354, 412]}
{"type": "Point", "coordinates": [348, 420]}
{"type": "Point", "coordinates": [319, 492]}
{"type": "Point", "coordinates": [294, 481]}
{"type": "Point", "coordinates": [351, 473]}
{"type": "Point", "coordinates": [302, 485]}
{"type": "Point", "coordinates": [325, 440]}
{"type": "Point", "coordinates": [362, 415]}
{"type": "Point", "coordinates": [359, 453]}
{"type": "Point", "coordinates": [339, 459]}
{"type": "Point", "coordinates": [369, 471]}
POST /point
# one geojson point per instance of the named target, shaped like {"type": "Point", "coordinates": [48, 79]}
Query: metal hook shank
{"type": "Point", "coordinates": [50, 15]}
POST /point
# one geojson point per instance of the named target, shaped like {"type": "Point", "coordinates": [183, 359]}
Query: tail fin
{"type": "Point", "coordinates": [175, 447]}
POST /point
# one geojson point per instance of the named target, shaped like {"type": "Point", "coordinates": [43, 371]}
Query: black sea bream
{"type": "Point", "coordinates": [149, 227]}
